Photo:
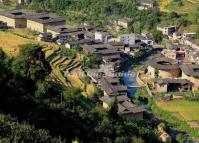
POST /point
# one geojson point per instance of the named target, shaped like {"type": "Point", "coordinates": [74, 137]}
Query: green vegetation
{"type": "Point", "coordinates": [139, 54]}
{"type": "Point", "coordinates": [174, 121]}
{"type": "Point", "coordinates": [187, 11]}
{"type": "Point", "coordinates": [31, 63]}
{"type": "Point", "coordinates": [92, 62]}
{"type": "Point", "coordinates": [69, 53]}
{"type": "Point", "coordinates": [176, 112]}
{"type": "Point", "coordinates": [13, 131]}
{"type": "Point", "coordinates": [100, 12]}
{"type": "Point", "coordinates": [61, 112]}
{"type": "Point", "coordinates": [184, 109]}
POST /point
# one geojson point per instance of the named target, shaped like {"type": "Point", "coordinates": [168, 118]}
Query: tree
{"type": "Point", "coordinates": [157, 35]}
{"type": "Point", "coordinates": [5, 72]}
{"type": "Point", "coordinates": [180, 138]}
{"type": "Point", "coordinates": [12, 131]}
{"type": "Point", "coordinates": [48, 90]}
{"type": "Point", "coordinates": [31, 63]}
{"type": "Point", "coordinates": [92, 61]}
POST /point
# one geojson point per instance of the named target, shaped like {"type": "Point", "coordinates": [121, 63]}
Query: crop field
{"type": "Point", "coordinates": [68, 71]}
{"type": "Point", "coordinates": [182, 109]}
{"type": "Point", "coordinates": [11, 40]}
{"type": "Point", "coordinates": [10, 43]}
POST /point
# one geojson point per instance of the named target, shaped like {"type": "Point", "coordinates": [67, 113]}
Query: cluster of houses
{"type": "Point", "coordinates": [172, 76]}
{"type": "Point", "coordinates": [177, 70]}
{"type": "Point", "coordinates": [108, 81]}
{"type": "Point", "coordinates": [93, 41]}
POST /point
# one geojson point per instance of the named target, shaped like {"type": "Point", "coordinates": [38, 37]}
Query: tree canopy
{"type": "Point", "coordinates": [61, 112]}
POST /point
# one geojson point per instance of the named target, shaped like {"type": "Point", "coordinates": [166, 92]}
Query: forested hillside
{"type": "Point", "coordinates": [99, 12]}
{"type": "Point", "coordinates": [27, 95]}
{"type": "Point", "coordinates": [103, 12]}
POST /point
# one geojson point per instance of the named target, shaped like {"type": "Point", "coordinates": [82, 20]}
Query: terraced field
{"type": "Point", "coordinates": [64, 71]}
{"type": "Point", "coordinates": [68, 72]}
{"type": "Point", "coordinates": [10, 43]}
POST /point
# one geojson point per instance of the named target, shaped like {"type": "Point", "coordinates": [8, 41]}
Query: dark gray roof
{"type": "Point", "coordinates": [38, 17]}
{"type": "Point", "coordinates": [174, 81]}
{"type": "Point", "coordinates": [190, 70]}
{"type": "Point", "coordinates": [112, 57]}
{"type": "Point", "coordinates": [58, 29]}
{"type": "Point", "coordinates": [46, 18]}
{"type": "Point", "coordinates": [127, 107]}
{"type": "Point", "coordinates": [112, 86]}
{"type": "Point", "coordinates": [101, 49]}
{"type": "Point", "coordinates": [107, 99]}
{"type": "Point", "coordinates": [76, 33]}
{"type": "Point", "coordinates": [81, 42]}
{"type": "Point", "coordinates": [163, 63]}
{"type": "Point", "coordinates": [17, 14]}
{"type": "Point", "coordinates": [116, 43]}
{"type": "Point", "coordinates": [122, 98]}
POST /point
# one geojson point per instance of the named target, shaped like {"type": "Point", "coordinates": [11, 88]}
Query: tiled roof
{"type": "Point", "coordinates": [163, 63]}
{"type": "Point", "coordinates": [190, 70]}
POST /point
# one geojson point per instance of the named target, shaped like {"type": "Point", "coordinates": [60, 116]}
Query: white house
{"type": "Point", "coordinates": [189, 35]}
{"type": "Point", "coordinates": [168, 30]}
{"type": "Point", "coordinates": [128, 39]}
{"type": "Point", "coordinates": [103, 36]}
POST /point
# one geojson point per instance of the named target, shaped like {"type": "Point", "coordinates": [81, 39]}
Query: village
{"type": "Point", "coordinates": [173, 71]}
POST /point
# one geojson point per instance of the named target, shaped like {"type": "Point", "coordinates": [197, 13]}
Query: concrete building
{"type": "Point", "coordinates": [123, 23]}
{"type": "Point", "coordinates": [146, 4]}
{"type": "Point", "coordinates": [47, 37]}
{"type": "Point", "coordinates": [189, 35]}
{"type": "Point", "coordinates": [168, 30]}
{"type": "Point", "coordinates": [163, 68]}
{"type": "Point", "coordinates": [40, 22]}
{"type": "Point", "coordinates": [127, 39]}
{"type": "Point", "coordinates": [145, 38]}
{"type": "Point", "coordinates": [72, 44]}
{"type": "Point", "coordinates": [178, 55]}
{"type": "Point", "coordinates": [103, 36]}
